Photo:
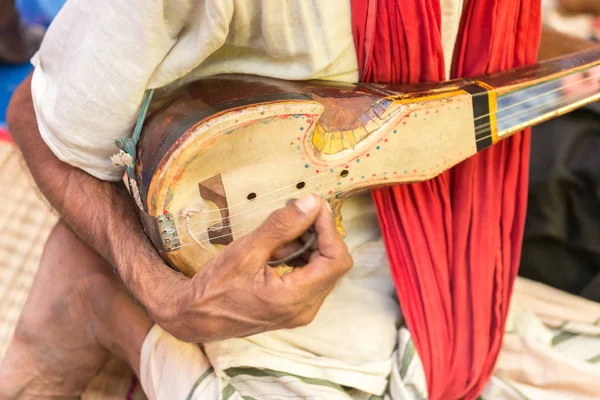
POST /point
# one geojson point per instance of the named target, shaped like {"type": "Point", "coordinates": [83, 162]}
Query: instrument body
{"type": "Point", "coordinates": [217, 156]}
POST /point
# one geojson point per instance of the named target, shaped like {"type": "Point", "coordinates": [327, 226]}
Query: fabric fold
{"type": "Point", "coordinates": [454, 241]}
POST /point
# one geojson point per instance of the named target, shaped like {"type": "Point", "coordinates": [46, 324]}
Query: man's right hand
{"type": "Point", "coordinates": [237, 294]}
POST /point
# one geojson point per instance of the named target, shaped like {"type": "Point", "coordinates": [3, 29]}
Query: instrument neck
{"type": "Point", "coordinates": [553, 95]}
{"type": "Point", "coordinates": [518, 98]}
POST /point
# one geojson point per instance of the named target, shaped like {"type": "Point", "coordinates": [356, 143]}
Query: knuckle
{"type": "Point", "coordinates": [345, 246]}
{"type": "Point", "coordinates": [341, 254]}
{"type": "Point", "coordinates": [292, 314]}
{"type": "Point", "coordinates": [348, 261]}
{"type": "Point", "coordinates": [292, 305]}
{"type": "Point", "coordinates": [306, 318]}
{"type": "Point", "coordinates": [343, 260]}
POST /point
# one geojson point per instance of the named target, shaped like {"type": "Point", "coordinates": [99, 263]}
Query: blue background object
{"type": "Point", "coordinates": [10, 77]}
{"type": "Point", "coordinates": [33, 12]}
{"type": "Point", "coordinates": [39, 12]}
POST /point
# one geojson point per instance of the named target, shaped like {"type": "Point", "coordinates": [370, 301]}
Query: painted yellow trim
{"type": "Point", "coordinates": [333, 142]}
{"type": "Point", "coordinates": [434, 96]}
{"type": "Point", "coordinates": [493, 104]}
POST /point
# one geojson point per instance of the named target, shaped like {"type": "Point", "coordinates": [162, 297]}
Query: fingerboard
{"type": "Point", "coordinates": [507, 102]}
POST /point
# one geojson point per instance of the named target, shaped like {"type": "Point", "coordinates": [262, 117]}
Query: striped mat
{"type": "Point", "coordinates": [25, 222]}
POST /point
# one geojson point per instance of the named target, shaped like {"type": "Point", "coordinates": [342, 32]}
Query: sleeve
{"type": "Point", "coordinates": [99, 57]}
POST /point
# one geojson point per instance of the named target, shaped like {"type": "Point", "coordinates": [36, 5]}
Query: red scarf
{"type": "Point", "coordinates": [454, 241]}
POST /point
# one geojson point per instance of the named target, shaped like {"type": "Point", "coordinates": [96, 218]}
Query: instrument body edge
{"type": "Point", "coordinates": [218, 155]}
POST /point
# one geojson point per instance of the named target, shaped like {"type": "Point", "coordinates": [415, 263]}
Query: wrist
{"type": "Point", "coordinates": [157, 287]}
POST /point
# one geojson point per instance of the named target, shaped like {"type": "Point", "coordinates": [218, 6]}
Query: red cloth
{"type": "Point", "coordinates": [454, 241]}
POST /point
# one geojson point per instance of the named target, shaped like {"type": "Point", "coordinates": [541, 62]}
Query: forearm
{"type": "Point", "coordinates": [101, 213]}
{"type": "Point", "coordinates": [235, 294]}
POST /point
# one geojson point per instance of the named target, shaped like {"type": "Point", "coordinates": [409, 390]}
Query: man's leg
{"type": "Point", "coordinates": [77, 313]}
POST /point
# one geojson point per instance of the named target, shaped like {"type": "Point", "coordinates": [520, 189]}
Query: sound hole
{"type": "Point", "coordinates": [344, 173]}
{"type": "Point", "coordinates": [251, 196]}
{"type": "Point", "coordinates": [300, 185]}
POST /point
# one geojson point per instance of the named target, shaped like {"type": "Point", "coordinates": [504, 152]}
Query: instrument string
{"type": "Point", "coordinates": [480, 128]}
{"type": "Point", "coordinates": [255, 200]}
{"type": "Point", "coordinates": [529, 99]}
{"type": "Point", "coordinates": [245, 230]}
{"type": "Point", "coordinates": [485, 127]}
{"type": "Point", "coordinates": [258, 207]}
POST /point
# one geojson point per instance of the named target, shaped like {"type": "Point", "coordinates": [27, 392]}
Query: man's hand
{"type": "Point", "coordinates": [236, 294]}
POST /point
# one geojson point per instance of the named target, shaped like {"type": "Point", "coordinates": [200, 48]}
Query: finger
{"type": "Point", "coordinates": [292, 317]}
{"type": "Point", "coordinates": [293, 247]}
{"type": "Point", "coordinates": [286, 250]}
{"type": "Point", "coordinates": [286, 224]}
{"type": "Point", "coordinates": [310, 236]}
{"type": "Point", "coordinates": [327, 264]}
{"type": "Point", "coordinates": [321, 272]}
{"type": "Point", "coordinates": [307, 236]}
{"type": "Point", "coordinates": [305, 315]}
{"type": "Point", "coordinates": [306, 256]}
{"type": "Point", "coordinates": [329, 240]}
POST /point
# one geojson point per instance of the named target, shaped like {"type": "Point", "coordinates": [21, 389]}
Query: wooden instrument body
{"type": "Point", "coordinates": [217, 156]}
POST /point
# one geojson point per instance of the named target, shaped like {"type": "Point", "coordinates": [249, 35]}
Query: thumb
{"type": "Point", "coordinates": [286, 224]}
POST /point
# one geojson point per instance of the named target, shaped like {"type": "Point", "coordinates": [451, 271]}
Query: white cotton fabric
{"type": "Point", "coordinates": [551, 350]}
{"type": "Point", "coordinates": [169, 368]}
{"type": "Point", "coordinates": [451, 15]}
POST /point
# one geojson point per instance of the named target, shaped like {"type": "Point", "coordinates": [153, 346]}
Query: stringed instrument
{"type": "Point", "coordinates": [217, 156]}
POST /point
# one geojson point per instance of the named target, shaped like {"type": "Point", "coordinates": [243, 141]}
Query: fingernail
{"type": "Point", "coordinates": [329, 206]}
{"type": "Point", "coordinates": [307, 204]}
